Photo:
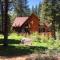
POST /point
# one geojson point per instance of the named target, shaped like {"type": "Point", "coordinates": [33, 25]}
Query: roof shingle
{"type": "Point", "coordinates": [19, 21]}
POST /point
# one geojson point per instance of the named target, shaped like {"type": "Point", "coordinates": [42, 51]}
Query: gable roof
{"type": "Point", "coordinates": [19, 21]}
{"type": "Point", "coordinates": [34, 15]}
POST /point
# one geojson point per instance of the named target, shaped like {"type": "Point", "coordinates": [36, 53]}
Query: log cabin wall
{"type": "Point", "coordinates": [29, 25]}
{"type": "Point", "coordinates": [34, 23]}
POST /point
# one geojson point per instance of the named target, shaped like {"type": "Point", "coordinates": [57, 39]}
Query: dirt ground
{"type": "Point", "coordinates": [31, 57]}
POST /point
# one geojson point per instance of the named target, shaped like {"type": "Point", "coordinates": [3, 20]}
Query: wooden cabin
{"type": "Point", "coordinates": [46, 28]}
{"type": "Point", "coordinates": [31, 24]}
{"type": "Point", "coordinates": [26, 24]}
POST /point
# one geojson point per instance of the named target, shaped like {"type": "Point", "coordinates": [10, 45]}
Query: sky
{"type": "Point", "coordinates": [34, 2]}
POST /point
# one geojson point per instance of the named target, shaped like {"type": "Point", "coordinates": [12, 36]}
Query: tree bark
{"type": "Point", "coordinates": [53, 30]}
{"type": "Point", "coordinates": [53, 22]}
{"type": "Point", "coordinates": [5, 22]}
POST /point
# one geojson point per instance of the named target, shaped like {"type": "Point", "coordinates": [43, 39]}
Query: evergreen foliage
{"type": "Point", "coordinates": [21, 7]}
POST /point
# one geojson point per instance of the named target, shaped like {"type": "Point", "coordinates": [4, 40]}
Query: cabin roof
{"type": "Point", "coordinates": [19, 21]}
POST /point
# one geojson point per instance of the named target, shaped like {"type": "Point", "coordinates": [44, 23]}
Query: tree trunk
{"type": "Point", "coordinates": [53, 30]}
{"type": "Point", "coordinates": [53, 22]}
{"type": "Point", "coordinates": [5, 22]}
{"type": "Point", "coordinates": [2, 15]}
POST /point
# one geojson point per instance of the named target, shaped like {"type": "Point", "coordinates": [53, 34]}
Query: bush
{"type": "Point", "coordinates": [15, 36]}
{"type": "Point", "coordinates": [44, 41]}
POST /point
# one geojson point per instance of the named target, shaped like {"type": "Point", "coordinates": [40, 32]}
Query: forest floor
{"type": "Point", "coordinates": [31, 57]}
{"type": "Point", "coordinates": [26, 53]}
{"type": "Point", "coordinates": [15, 51]}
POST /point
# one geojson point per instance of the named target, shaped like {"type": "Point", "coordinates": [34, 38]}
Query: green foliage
{"type": "Point", "coordinates": [15, 36]}
{"type": "Point", "coordinates": [44, 41]}
{"type": "Point", "coordinates": [21, 7]}
{"type": "Point", "coordinates": [50, 11]}
{"type": "Point", "coordinates": [37, 40]}
{"type": "Point", "coordinates": [40, 43]}
{"type": "Point", "coordinates": [1, 36]}
{"type": "Point", "coordinates": [36, 10]}
{"type": "Point", "coordinates": [0, 23]}
{"type": "Point", "coordinates": [46, 10]}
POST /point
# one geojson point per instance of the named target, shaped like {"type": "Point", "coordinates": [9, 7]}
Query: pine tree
{"type": "Point", "coordinates": [48, 13]}
{"type": "Point", "coordinates": [22, 8]}
{"type": "Point", "coordinates": [0, 16]}
{"type": "Point", "coordinates": [55, 14]}
{"type": "Point", "coordinates": [46, 10]}
{"type": "Point", "coordinates": [0, 7]}
{"type": "Point", "coordinates": [33, 10]}
{"type": "Point", "coordinates": [36, 10]}
{"type": "Point", "coordinates": [54, 17]}
{"type": "Point", "coordinates": [5, 22]}
{"type": "Point", "coordinates": [39, 10]}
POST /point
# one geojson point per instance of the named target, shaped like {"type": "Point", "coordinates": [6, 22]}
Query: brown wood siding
{"type": "Point", "coordinates": [34, 24]}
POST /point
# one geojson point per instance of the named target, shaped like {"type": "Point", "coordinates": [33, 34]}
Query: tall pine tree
{"type": "Point", "coordinates": [46, 10]}
{"type": "Point", "coordinates": [48, 13]}
{"type": "Point", "coordinates": [21, 7]}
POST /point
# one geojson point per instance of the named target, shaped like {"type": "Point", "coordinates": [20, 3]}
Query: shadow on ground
{"type": "Point", "coordinates": [10, 41]}
{"type": "Point", "coordinates": [12, 51]}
